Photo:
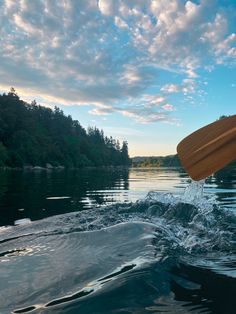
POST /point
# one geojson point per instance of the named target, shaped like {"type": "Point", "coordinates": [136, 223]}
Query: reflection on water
{"type": "Point", "coordinates": [39, 194]}
{"type": "Point", "coordinates": [166, 253]}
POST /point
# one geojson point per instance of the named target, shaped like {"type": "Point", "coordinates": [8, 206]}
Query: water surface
{"type": "Point", "coordinates": [117, 241]}
{"type": "Point", "coordinates": [39, 194]}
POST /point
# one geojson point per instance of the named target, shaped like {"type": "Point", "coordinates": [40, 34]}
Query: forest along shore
{"type": "Point", "coordinates": [35, 136]}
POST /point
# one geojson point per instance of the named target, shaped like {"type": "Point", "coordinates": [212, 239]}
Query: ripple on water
{"type": "Point", "coordinates": [65, 259]}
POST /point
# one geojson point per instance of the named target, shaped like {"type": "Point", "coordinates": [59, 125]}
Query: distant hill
{"type": "Point", "coordinates": [32, 135]}
{"type": "Point", "coordinates": [156, 161]}
{"type": "Point", "coordinates": [173, 161]}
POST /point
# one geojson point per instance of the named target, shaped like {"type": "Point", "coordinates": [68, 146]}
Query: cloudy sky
{"type": "Point", "coordinates": [148, 71]}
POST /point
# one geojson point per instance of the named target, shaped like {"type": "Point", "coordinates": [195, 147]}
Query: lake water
{"type": "Point", "coordinates": [117, 241]}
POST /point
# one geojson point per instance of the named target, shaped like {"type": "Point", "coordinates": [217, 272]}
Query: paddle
{"type": "Point", "coordinates": [209, 149]}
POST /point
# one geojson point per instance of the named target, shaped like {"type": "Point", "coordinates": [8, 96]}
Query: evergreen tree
{"type": "Point", "coordinates": [125, 154]}
{"type": "Point", "coordinates": [34, 135]}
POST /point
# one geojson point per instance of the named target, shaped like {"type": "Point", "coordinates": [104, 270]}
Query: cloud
{"type": "Point", "coordinates": [25, 26]}
{"type": "Point", "coordinates": [145, 116]}
{"type": "Point", "coordinates": [107, 7]}
{"type": "Point", "coordinates": [131, 75]}
{"type": "Point", "coordinates": [168, 107]}
{"type": "Point", "coordinates": [171, 88]}
{"type": "Point", "coordinates": [110, 52]}
{"type": "Point", "coordinates": [120, 23]}
{"type": "Point", "coordinates": [188, 86]}
{"type": "Point", "coordinates": [101, 111]}
{"type": "Point", "coordinates": [148, 109]}
{"type": "Point", "coordinates": [215, 34]}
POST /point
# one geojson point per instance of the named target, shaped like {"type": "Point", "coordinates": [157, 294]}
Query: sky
{"type": "Point", "coordinates": [146, 71]}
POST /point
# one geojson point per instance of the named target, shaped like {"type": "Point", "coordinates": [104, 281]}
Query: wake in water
{"type": "Point", "coordinates": [166, 243]}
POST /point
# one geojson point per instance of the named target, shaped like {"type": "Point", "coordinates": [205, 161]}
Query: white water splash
{"type": "Point", "coordinates": [193, 193]}
{"type": "Point", "coordinates": [165, 198]}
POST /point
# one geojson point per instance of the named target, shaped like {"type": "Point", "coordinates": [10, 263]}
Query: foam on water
{"type": "Point", "coordinates": [190, 221]}
{"type": "Point", "coordinates": [96, 247]}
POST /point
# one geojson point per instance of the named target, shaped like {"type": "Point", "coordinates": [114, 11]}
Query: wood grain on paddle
{"type": "Point", "coordinates": [209, 149]}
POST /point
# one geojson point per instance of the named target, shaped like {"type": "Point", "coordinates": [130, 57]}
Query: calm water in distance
{"type": "Point", "coordinates": [39, 194]}
{"type": "Point", "coordinates": [104, 247]}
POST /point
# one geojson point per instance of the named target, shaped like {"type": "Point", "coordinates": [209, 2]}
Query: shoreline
{"type": "Point", "coordinates": [39, 168]}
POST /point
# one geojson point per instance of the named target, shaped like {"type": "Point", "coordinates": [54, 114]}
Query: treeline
{"type": "Point", "coordinates": [33, 135]}
{"type": "Point", "coordinates": [171, 161]}
{"type": "Point", "coordinates": [160, 161]}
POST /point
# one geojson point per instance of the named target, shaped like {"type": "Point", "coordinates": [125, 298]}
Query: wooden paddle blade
{"type": "Point", "coordinates": [209, 149]}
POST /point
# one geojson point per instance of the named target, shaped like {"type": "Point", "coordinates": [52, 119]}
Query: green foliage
{"type": "Point", "coordinates": [34, 135]}
{"type": "Point", "coordinates": [167, 161]}
{"type": "Point", "coordinates": [223, 117]}
{"type": "Point", "coordinates": [3, 155]}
